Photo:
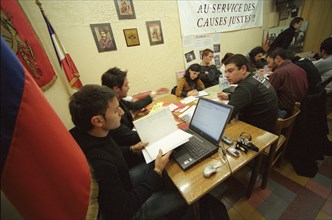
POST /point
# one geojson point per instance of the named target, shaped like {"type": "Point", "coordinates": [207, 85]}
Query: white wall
{"type": "Point", "coordinates": [150, 67]}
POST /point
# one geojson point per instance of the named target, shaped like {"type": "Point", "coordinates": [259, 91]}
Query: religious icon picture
{"type": "Point", "coordinates": [190, 56]}
{"type": "Point", "coordinates": [155, 32]}
{"type": "Point", "coordinates": [125, 9]}
{"type": "Point", "coordinates": [131, 36]}
{"type": "Point", "coordinates": [103, 36]}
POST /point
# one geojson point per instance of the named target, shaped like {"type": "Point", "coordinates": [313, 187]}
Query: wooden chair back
{"type": "Point", "coordinates": [277, 150]}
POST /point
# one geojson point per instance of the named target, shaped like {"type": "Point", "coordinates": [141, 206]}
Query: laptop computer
{"type": "Point", "coordinates": [207, 126]}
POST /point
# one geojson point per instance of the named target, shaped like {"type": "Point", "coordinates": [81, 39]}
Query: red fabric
{"type": "Point", "coordinates": [40, 66]}
{"type": "Point", "coordinates": [71, 72]}
{"type": "Point", "coordinates": [46, 175]}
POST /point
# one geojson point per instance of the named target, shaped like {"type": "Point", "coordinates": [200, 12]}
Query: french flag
{"type": "Point", "coordinates": [64, 58]}
{"type": "Point", "coordinates": [44, 173]}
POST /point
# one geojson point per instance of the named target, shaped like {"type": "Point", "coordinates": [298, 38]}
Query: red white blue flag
{"type": "Point", "coordinates": [64, 58]}
{"type": "Point", "coordinates": [44, 173]}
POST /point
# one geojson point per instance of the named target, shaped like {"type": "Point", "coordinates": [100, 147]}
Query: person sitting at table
{"type": "Point", "coordinates": [190, 83]}
{"type": "Point", "coordinates": [256, 58]}
{"type": "Point", "coordinates": [254, 99]}
{"type": "Point", "coordinates": [222, 68]}
{"type": "Point", "coordinates": [124, 135]}
{"type": "Point", "coordinates": [123, 193]}
{"type": "Point", "coordinates": [289, 81]}
{"type": "Point", "coordinates": [143, 192]}
{"type": "Point", "coordinates": [209, 72]}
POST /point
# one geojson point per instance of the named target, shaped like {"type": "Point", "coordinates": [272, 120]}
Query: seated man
{"type": "Point", "coordinates": [256, 58]}
{"type": "Point", "coordinates": [324, 66]}
{"type": "Point", "coordinates": [143, 192]}
{"type": "Point", "coordinates": [123, 194]}
{"type": "Point", "coordinates": [209, 72]}
{"type": "Point", "coordinates": [254, 99]}
{"type": "Point", "coordinates": [117, 80]}
{"type": "Point", "coordinates": [289, 80]}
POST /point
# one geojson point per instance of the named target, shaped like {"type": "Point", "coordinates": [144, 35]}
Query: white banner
{"type": "Point", "coordinates": [209, 16]}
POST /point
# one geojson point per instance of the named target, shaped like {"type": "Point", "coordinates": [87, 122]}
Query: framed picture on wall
{"type": "Point", "coordinates": [125, 9]}
{"type": "Point", "coordinates": [103, 36]}
{"type": "Point", "coordinates": [131, 36]}
{"type": "Point", "coordinates": [155, 32]}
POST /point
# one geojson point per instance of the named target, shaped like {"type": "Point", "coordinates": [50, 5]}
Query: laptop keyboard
{"type": "Point", "coordinates": [195, 147]}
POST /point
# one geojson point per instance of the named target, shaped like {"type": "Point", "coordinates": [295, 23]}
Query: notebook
{"type": "Point", "coordinates": [207, 126]}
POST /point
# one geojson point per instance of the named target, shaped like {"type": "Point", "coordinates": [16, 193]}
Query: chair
{"type": "Point", "coordinates": [277, 150]}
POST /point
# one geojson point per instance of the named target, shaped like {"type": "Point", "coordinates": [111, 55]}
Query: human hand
{"type": "Point", "coordinates": [138, 147]}
{"type": "Point", "coordinates": [162, 91]}
{"type": "Point", "coordinates": [222, 96]}
{"type": "Point", "coordinates": [192, 93]}
{"type": "Point", "coordinates": [161, 161]}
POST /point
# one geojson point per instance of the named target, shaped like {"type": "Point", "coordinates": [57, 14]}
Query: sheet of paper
{"type": "Point", "coordinates": [188, 100]}
{"type": "Point", "coordinates": [157, 107]}
{"type": "Point", "coordinates": [166, 144]}
{"type": "Point", "coordinates": [160, 131]}
{"type": "Point", "coordinates": [187, 115]}
{"type": "Point", "coordinates": [172, 107]}
{"type": "Point", "coordinates": [202, 93]}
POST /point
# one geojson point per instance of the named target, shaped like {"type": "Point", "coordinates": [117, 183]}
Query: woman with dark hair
{"type": "Point", "coordinates": [256, 58]}
{"type": "Point", "coordinates": [190, 83]}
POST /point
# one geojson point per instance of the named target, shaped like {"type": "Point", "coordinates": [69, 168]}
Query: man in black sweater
{"type": "Point", "coordinates": [254, 99]}
{"type": "Point", "coordinates": [123, 193]}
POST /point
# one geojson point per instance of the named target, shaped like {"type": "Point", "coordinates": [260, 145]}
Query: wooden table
{"type": "Point", "coordinates": [192, 184]}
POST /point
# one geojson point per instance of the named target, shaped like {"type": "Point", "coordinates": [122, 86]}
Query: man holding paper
{"type": "Point", "coordinates": [124, 135]}
{"type": "Point", "coordinates": [123, 194]}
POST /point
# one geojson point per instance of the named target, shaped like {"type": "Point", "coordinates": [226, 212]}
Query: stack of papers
{"type": "Point", "coordinates": [160, 131]}
{"type": "Point", "coordinates": [187, 115]}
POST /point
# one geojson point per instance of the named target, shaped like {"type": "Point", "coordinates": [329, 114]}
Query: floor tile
{"type": "Point", "coordinates": [323, 216]}
{"type": "Point", "coordinates": [319, 189]}
{"type": "Point", "coordinates": [273, 207]}
{"type": "Point", "coordinates": [233, 214]}
{"type": "Point", "coordinates": [323, 180]}
{"type": "Point", "coordinates": [262, 193]}
{"type": "Point", "coordinates": [243, 207]}
{"type": "Point", "coordinates": [255, 201]}
{"type": "Point", "coordinates": [327, 207]}
{"type": "Point", "coordinates": [284, 193]}
{"type": "Point", "coordinates": [255, 216]}
{"type": "Point", "coordinates": [325, 168]}
{"type": "Point", "coordinates": [302, 180]}
{"type": "Point", "coordinates": [306, 205]}
{"type": "Point", "coordinates": [286, 182]}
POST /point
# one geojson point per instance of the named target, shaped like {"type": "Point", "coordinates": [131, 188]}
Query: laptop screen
{"type": "Point", "coordinates": [210, 118]}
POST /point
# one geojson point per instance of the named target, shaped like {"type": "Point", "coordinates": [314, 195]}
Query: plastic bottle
{"type": "Point", "coordinates": [223, 83]}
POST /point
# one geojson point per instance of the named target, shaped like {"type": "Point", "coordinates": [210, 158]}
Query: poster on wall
{"type": "Point", "coordinates": [210, 16]}
{"type": "Point", "coordinates": [103, 36]}
{"type": "Point", "coordinates": [194, 45]}
{"type": "Point", "coordinates": [297, 43]}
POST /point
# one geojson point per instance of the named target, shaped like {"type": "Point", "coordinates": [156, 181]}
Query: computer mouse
{"type": "Point", "coordinates": [209, 171]}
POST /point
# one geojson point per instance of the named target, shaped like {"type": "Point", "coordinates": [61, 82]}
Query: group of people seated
{"type": "Point", "coordinates": [131, 189]}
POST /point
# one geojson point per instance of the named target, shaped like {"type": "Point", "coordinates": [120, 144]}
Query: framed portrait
{"type": "Point", "coordinates": [155, 32]}
{"type": "Point", "coordinates": [125, 9]}
{"type": "Point", "coordinates": [284, 15]}
{"type": "Point", "coordinates": [103, 36]}
{"type": "Point", "coordinates": [131, 36]}
{"type": "Point", "coordinates": [190, 56]}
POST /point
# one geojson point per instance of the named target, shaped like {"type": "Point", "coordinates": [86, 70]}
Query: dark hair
{"type": "Point", "coordinates": [326, 45]}
{"type": "Point", "coordinates": [295, 21]}
{"type": "Point", "coordinates": [89, 101]}
{"type": "Point", "coordinates": [227, 55]}
{"type": "Point", "coordinates": [206, 52]}
{"type": "Point", "coordinates": [281, 52]}
{"type": "Point", "coordinates": [256, 51]}
{"type": "Point", "coordinates": [113, 77]}
{"type": "Point", "coordinates": [193, 67]}
{"type": "Point", "coordinates": [239, 60]}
